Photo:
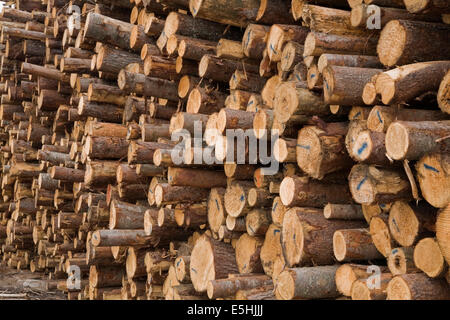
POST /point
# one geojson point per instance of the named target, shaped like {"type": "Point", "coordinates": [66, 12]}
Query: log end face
{"type": "Point", "coordinates": [443, 232]}
{"type": "Point", "coordinates": [391, 43]}
{"type": "Point", "coordinates": [397, 141]}
{"type": "Point", "coordinates": [202, 264]}
{"type": "Point", "coordinates": [292, 237]}
{"type": "Point", "coordinates": [360, 291]}
{"type": "Point", "coordinates": [403, 223]}
{"type": "Point", "coordinates": [361, 188]}
{"type": "Point", "coordinates": [380, 236]}
{"type": "Point", "coordinates": [398, 289]}
{"type": "Point", "coordinates": [428, 258]}
{"type": "Point", "coordinates": [339, 246]}
{"type": "Point", "coordinates": [309, 152]}
{"type": "Point", "coordinates": [287, 190]}
{"type": "Point", "coordinates": [285, 286]}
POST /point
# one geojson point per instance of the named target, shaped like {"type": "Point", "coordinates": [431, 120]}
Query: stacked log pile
{"type": "Point", "coordinates": [99, 194]}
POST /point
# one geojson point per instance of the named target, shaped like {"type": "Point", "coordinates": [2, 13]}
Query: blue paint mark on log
{"type": "Point", "coordinates": [394, 251]}
{"type": "Point", "coordinates": [379, 117]}
{"type": "Point", "coordinates": [192, 269]}
{"type": "Point", "coordinates": [363, 147]}
{"type": "Point", "coordinates": [217, 204]}
{"type": "Point", "coordinates": [298, 77]}
{"type": "Point", "coordinates": [275, 206]}
{"type": "Point", "coordinates": [357, 114]}
{"type": "Point", "coordinates": [178, 263]}
{"type": "Point", "coordinates": [275, 231]}
{"type": "Point", "coordinates": [312, 75]}
{"type": "Point", "coordinates": [248, 39]}
{"type": "Point", "coordinates": [428, 167]}
{"type": "Point", "coordinates": [250, 103]}
{"type": "Point", "coordinates": [361, 183]}
{"type": "Point", "coordinates": [273, 49]}
{"type": "Point", "coordinates": [242, 198]}
{"type": "Point", "coordinates": [303, 146]}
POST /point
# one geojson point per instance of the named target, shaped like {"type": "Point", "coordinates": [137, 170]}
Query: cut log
{"type": "Point", "coordinates": [417, 286]}
{"type": "Point", "coordinates": [300, 226]}
{"type": "Point", "coordinates": [429, 259]}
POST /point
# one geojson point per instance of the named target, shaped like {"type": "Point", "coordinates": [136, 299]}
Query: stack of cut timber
{"type": "Point", "coordinates": [98, 196]}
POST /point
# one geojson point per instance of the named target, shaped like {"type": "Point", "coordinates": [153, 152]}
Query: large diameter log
{"type": "Point", "coordinates": [321, 151]}
{"type": "Point", "coordinates": [196, 178]}
{"type": "Point", "coordinates": [254, 40]}
{"type": "Point", "coordinates": [236, 13]}
{"type": "Point", "coordinates": [412, 140]}
{"type": "Point", "coordinates": [434, 178]}
{"type": "Point", "coordinates": [361, 290]}
{"type": "Point", "coordinates": [107, 30]}
{"type": "Point", "coordinates": [100, 173]}
{"type": "Point", "coordinates": [106, 112]}
{"type": "Point", "coordinates": [369, 185]}
{"type": "Point", "coordinates": [307, 237]}
{"type": "Point", "coordinates": [147, 86]}
{"type": "Point", "coordinates": [297, 191]}
{"type": "Point", "coordinates": [401, 261]}
{"type": "Point", "coordinates": [397, 86]}
{"type": "Point", "coordinates": [417, 286]}
{"type": "Point", "coordinates": [307, 283]}
{"type": "Point", "coordinates": [223, 288]}
{"type": "Point", "coordinates": [248, 250]}
{"type": "Point", "coordinates": [211, 260]}
{"type": "Point", "coordinates": [414, 41]}
{"type": "Point", "coordinates": [345, 85]}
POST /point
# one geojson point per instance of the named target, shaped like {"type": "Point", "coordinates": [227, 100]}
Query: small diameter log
{"type": "Point", "coordinates": [236, 13]}
{"type": "Point", "coordinates": [415, 41]}
{"type": "Point", "coordinates": [93, 109]}
{"type": "Point", "coordinates": [105, 147]}
{"type": "Point", "coordinates": [379, 230]}
{"type": "Point", "coordinates": [292, 99]}
{"type": "Point", "coordinates": [169, 194]}
{"type": "Point", "coordinates": [362, 290]}
{"type": "Point", "coordinates": [344, 85]}
{"type": "Point", "coordinates": [401, 261]}
{"type": "Point", "coordinates": [257, 222]}
{"type": "Point", "coordinates": [210, 260]}
{"type": "Point", "coordinates": [142, 152]}
{"type": "Point", "coordinates": [300, 227]}
{"type": "Point", "coordinates": [241, 80]}
{"type": "Point", "coordinates": [259, 198]}
{"type": "Point", "coordinates": [147, 86]}
{"type": "Point", "coordinates": [369, 185]}
{"type": "Point", "coordinates": [228, 287]}
{"type": "Point", "coordinates": [369, 147]}
{"type": "Point", "coordinates": [381, 117]}
{"type": "Point", "coordinates": [220, 69]}
{"type": "Point", "coordinates": [396, 86]}
{"type": "Point", "coordinates": [442, 232]}
{"type": "Point", "coordinates": [409, 222]}
{"type": "Point", "coordinates": [343, 211]}
{"type": "Point", "coordinates": [429, 259]}
{"type": "Point", "coordinates": [107, 30]}
{"type": "Point", "coordinates": [284, 150]}
{"type": "Point", "coordinates": [100, 173]}
{"type": "Point", "coordinates": [123, 215]}
{"type": "Point", "coordinates": [108, 238]}
{"type": "Point", "coordinates": [354, 244]}
{"type": "Point", "coordinates": [443, 96]}
{"type": "Point", "coordinates": [307, 283]}
{"type": "Point", "coordinates": [347, 60]}
{"type": "Point", "coordinates": [317, 43]}
{"type": "Point", "coordinates": [296, 191]}
{"type": "Point", "coordinates": [195, 49]}
{"type": "Point", "coordinates": [271, 255]}
{"type": "Point", "coordinates": [278, 211]}
{"type": "Point", "coordinates": [203, 179]}
{"type": "Point", "coordinates": [205, 100]}
{"type": "Point", "coordinates": [279, 35]}
{"type": "Point", "coordinates": [417, 286]}
{"type": "Point", "coordinates": [322, 151]}
{"type": "Point", "coordinates": [216, 210]}
{"type": "Point", "coordinates": [347, 274]}
{"type": "Point", "coordinates": [433, 177]}
{"type": "Point", "coordinates": [113, 60]}
{"type": "Point", "coordinates": [412, 140]}
{"type": "Point", "coordinates": [254, 40]}
{"type": "Point", "coordinates": [248, 250]}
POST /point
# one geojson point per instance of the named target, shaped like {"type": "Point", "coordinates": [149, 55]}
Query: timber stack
{"type": "Point", "coordinates": [351, 97]}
